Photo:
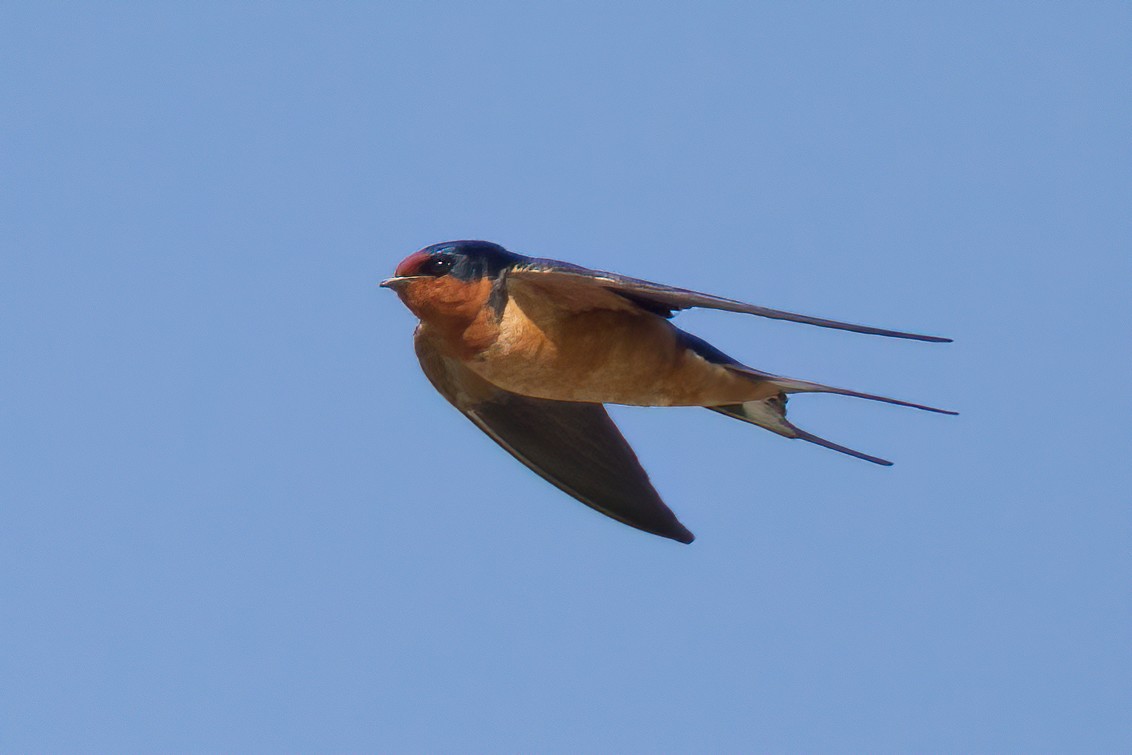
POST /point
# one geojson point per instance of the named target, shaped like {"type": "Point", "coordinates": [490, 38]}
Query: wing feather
{"type": "Point", "coordinates": [586, 288]}
{"type": "Point", "coordinates": [574, 446]}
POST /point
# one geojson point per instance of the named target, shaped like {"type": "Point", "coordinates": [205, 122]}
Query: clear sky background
{"type": "Point", "coordinates": [236, 517]}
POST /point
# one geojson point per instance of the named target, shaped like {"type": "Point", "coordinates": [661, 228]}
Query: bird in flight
{"type": "Point", "coordinates": [530, 349]}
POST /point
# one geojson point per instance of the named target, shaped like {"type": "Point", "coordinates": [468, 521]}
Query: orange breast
{"type": "Point", "coordinates": [604, 356]}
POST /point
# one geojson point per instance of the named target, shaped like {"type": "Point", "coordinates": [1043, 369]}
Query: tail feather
{"type": "Point", "coordinates": [811, 438]}
{"type": "Point", "coordinates": [770, 414]}
{"type": "Point", "coordinates": [790, 385]}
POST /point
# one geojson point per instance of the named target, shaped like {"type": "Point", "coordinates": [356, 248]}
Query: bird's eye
{"type": "Point", "coordinates": [439, 264]}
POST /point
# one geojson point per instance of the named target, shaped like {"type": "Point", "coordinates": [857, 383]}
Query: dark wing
{"type": "Point", "coordinates": [581, 287]}
{"type": "Point", "coordinates": [575, 447]}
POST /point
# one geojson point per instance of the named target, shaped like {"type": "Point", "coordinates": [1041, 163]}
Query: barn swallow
{"type": "Point", "coordinates": [530, 349]}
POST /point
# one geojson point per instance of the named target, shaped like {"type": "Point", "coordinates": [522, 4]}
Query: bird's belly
{"type": "Point", "coordinates": [607, 357]}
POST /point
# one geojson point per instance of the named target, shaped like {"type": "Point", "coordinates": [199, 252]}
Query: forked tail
{"type": "Point", "coordinates": [770, 413]}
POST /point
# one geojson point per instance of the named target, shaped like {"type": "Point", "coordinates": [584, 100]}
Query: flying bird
{"type": "Point", "coordinates": [530, 349]}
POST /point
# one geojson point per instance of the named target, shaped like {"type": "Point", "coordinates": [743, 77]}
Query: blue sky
{"type": "Point", "coordinates": [236, 517]}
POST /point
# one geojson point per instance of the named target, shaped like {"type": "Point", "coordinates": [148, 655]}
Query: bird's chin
{"type": "Point", "coordinates": [413, 291]}
{"type": "Point", "coordinates": [446, 299]}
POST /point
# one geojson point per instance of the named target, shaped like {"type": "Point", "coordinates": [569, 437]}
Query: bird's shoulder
{"type": "Point", "coordinates": [576, 288]}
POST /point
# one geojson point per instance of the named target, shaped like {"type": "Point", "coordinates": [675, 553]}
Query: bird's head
{"type": "Point", "coordinates": [450, 280]}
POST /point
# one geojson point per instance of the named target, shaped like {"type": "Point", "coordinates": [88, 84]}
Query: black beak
{"type": "Point", "coordinates": [396, 281]}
